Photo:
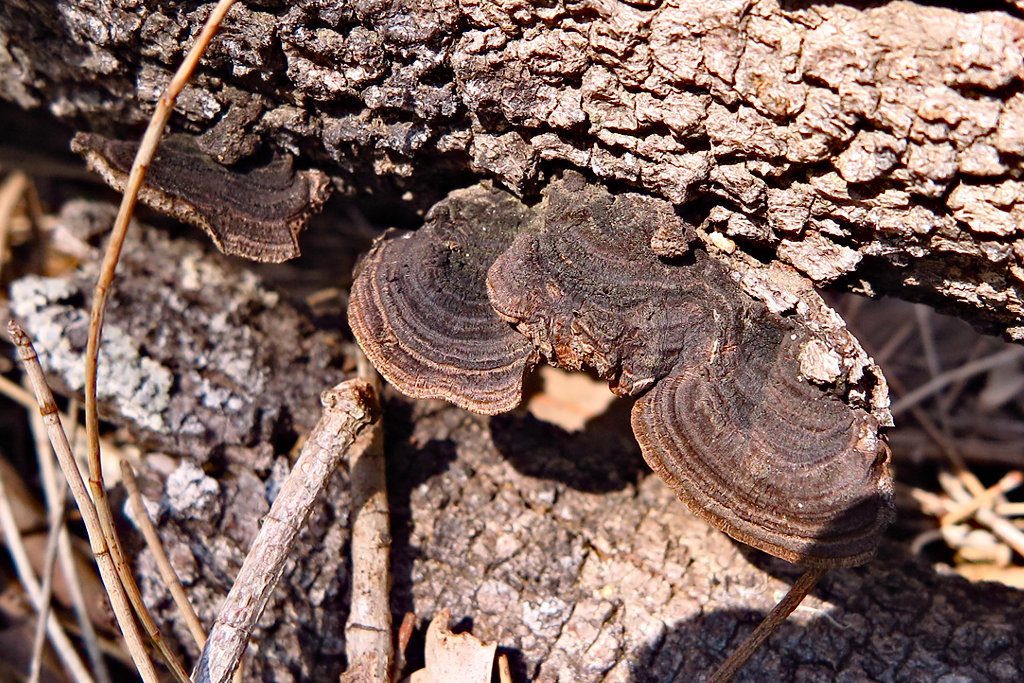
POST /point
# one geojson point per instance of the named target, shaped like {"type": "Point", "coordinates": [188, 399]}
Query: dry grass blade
{"type": "Point", "coordinates": [55, 492]}
{"type": "Point", "coordinates": [731, 666]}
{"type": "Point", "coordinates": [97, 540]}
{"type": "Point", "coordinates": [163, 564]}
{"type": "Point", "coordinates": [1000, 526]}
{"type": "Point", "coordinates": [349, 409]}
{"type": "Point", "coordinates": [15, 188]}
{"type": "Point", "coordinates": [57, 508]}
{"type": "Point", "coordinates": [65, 650]}
{"type": "Point", "coordinates": [964, 510]}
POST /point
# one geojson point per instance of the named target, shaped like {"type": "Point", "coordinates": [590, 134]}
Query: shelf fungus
{"type": "Point", "coordinates": [419, 308]}
{"type": "Point", "coordinates": [462, 308]}
{"type": "Point", "coordinates": [255, 212]}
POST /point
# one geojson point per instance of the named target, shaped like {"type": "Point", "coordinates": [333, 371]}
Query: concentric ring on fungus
{"type": "Point", "coordinates": [253, 212]}
{"type": "Point", "coordinates": [773, 459]}
{"type": "Point", "coordinates": [589, 292]}
{"type": "Point", "coordinates": [770, 459]}
{"type": "Point", "coordinates": [420, 312]}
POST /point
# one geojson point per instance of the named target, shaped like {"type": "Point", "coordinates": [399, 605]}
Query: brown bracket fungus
{"type": "Point", "coordinates": [783, 463]}
{"type": "Point", "coordinates": [256, 213]}
{"type": "Point", "coordinates": [419, 307]}
{"type": "Point", "coordinates": [767, 457]}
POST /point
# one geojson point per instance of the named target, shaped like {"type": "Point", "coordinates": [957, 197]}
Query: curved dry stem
{"type": "Point", "coordinates": [97, 540]}
{"type": "Point", "coordinates": [163, 564]}
{"type": "Point", "coordinates": [150, 140]}
{"type": "Point", "coordinates": [736, 661]}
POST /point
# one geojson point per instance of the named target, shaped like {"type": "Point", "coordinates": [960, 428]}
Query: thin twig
{"type": "Point", "coordinates": [24, 398]}
{"type": "Point", "coordinates": [405, 630]}
{"type": "Point", "coordinates": [1010, 509]}
{"type": "Point", "coordinates": [97, 540]}
{"type": "Point", "coordinates": [349, 408]}
{"type": "Point", "coordinates": [945, 444]}
{"type": "Point", "coordinates": [949, 398]}
{"type": "Point", "coordinates": [731, 666]}
{"type": "Point", "coordinates": [147, 150]}
{"type": "Point", "coordinates": [937, 383]}
{"type": "Point", "coordinates": [57, 506]}
{"type": "Point", "coordinates": [894, 342]}
{"type": "Point", "coordinates": [922, 315]}
{"type": "Point", "coordinates": [54, 487]}
{"type": "Point", "coordinates": [23, 566]}
{"type": "Point", "coordinates": [162, 563]}
{"type": "Point", "coordinates": [941, 440]}
{"type": "Point", "coordinates": [962, 511]}
{"type": "Point", "coordinates": [11, 192]}
{"type": "Point", "coordinates": [368, 629]}
{"type": "Point", "coordinates": [504, 670]}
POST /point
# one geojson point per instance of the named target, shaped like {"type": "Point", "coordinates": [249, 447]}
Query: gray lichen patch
{"type": "Point", "coordinates": [138, 386]}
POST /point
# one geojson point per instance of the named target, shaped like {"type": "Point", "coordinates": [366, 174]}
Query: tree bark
{"type": "Point", "coordinates": [878, 149]}
{"type": "Point", "coordinates": [874, 149]}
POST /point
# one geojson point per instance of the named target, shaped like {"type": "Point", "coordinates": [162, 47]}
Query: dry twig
{"type": "Point", "coordinates": [56, 506]}
{"type": "Point", "coordinates": [368, 629]}
{"type": "Point", "coordinates": [1000, 526]}
{"type": "Point", "coordinates": [23, 567]}
{"type": "Point", "coordinates": [97, 539]}
{"type": "Point", "coordinates": [55, 492]}
{"type": "Point", "coordinates": [942, 380]}
{"type": "Point", "coordinates": [405, 630]}
{"type": "Point", "coordinates": [504, 670]}
{"type": "Point", "coordinates": [149, 533]}
{"type": "Point", "coordinates": [985, 500]}
{"type": "Point", "coordinates": [349, 408]}
{"type": "Point", "coordinates": [801, 587]}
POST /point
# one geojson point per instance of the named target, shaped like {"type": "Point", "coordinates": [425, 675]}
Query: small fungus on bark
{"type": "Point", "coordinates": [608, 282]}
{"type": "Point", "coordinates": [253, 212]}
{"type": "Point", "coordinates": [588, 291]}
{"type": "Point", "coordinates": [419, 307]}
{"type": "Point", "coordinates": [772, 460]}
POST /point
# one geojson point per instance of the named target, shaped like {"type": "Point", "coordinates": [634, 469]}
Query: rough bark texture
{"type": "Point", "coordinates": [561, 547]}
{"type": "Point", "coordinates": [879, 148]}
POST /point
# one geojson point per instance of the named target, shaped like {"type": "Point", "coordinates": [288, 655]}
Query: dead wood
{"type": "Point", "coordinates": [877, 148]}
{"type": "Point", "coordinates": [562, 547]}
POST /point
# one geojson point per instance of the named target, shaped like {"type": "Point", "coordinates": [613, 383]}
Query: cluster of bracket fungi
{"type": "Point", "coordinates": [464, 307]}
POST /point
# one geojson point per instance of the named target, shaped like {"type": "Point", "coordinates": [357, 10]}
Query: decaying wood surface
{"type": "Point", "coordinates": [561, 546]}
{"type": "Point", "coordinates": [877, 148]}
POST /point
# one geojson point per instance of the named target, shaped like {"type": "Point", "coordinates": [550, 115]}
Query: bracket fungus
{"type": "Point", "coordinates": [419, 308]}
{"type": "Point", "coordinates": [256, 212]}
{"type": "Point", "coordinates": [462, 308]}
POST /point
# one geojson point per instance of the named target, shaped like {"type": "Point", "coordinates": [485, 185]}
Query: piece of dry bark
{"type": "Point", "coordinates": [454, 657]}
{"type": "Point", "coordinates": [878, 148]}
{"type": "Point", "coordinates": [561, 547]}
